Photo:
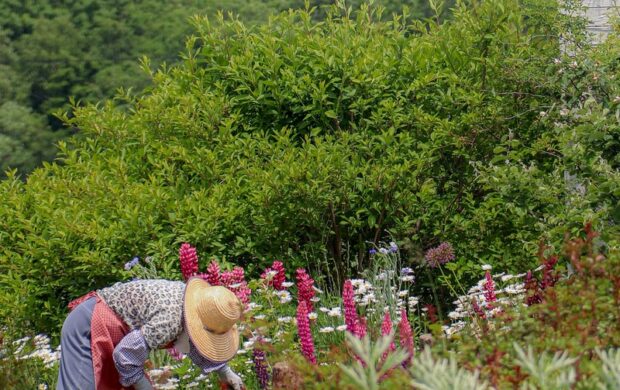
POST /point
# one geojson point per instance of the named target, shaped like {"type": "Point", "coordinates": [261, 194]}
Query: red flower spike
{"type": "Point", "coordinates": [214, 275]}
{"type": "Point", "coordinates": [188, 260]}
{"type": "Point", "coordinates": [406, 337]}
{"type": "Point", "coordinates": [305, 336]}
{"type": "Point", "coordinates": [350, 313]}
{"type": "Point", "coordinates": [305, 290]}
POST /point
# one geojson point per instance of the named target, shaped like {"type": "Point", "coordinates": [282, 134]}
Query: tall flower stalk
{"type": "Point", "coordinates": [386, 330]}
{"type": "Point", "coordinates": [278, 278]}
{"type": "Point", "coordinates": [406, 337]}
{"type": "Point", "coordinates": [305, 288]}
{"type": "Point", "coordinates": [260, 367]}
{"type": "Point", "coordinates": [188, 260]}
{"type": "Point", "coordinates": [489, 289]}
{"type": "Point", "coordinates": [350, 314]}
{"type": "Point", "coordinates": [214, 275]}
{"type": "Point", "coordinates": [305, 335]}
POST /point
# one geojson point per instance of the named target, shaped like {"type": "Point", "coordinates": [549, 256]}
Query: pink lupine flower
{"type": "Point", "coordinates": [242, 292]}
{"type": "Point", "coordinates": [230, 278]}
{"type": "Point", "coordinates": [532, 291]}
{"type": "Point", "coordinates": [386, 329]}
{"type": "Point", "coordinates": [235, 281]}
{"type": "Point", "coordinates": [350, 314]}
{"type": "Point", "coordinates": [489, 289]}
{"type": "Point", "coordinates": [406, 337]}
{"type": "Point", "coordinates": [214, 275]}
{"type": "Point", "coordinates": [279, 278]}
{"type": "Point", "coordinates": [361, 327]}
{"type": "Point", "coordinates": [305, 336]}
{"type": "Point", "coordinates": [260, 367]}
{"type": "Point", "coordinates": [305, 290]}
{"type": "Point", "coordinates": [188, 260]}
{"type": "Point", "coordinates": [477, 309]}
{"type": "Point", "coordinates": [175, 354]}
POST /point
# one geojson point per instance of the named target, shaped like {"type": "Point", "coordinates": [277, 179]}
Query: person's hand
{"type": "Point", "coordinates": [228, 376]}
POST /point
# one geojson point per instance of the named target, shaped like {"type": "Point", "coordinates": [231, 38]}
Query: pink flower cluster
{"type": "Point", "coordinates": [188, 260]}
{"type": "Point", "coordinates": [406, 337]}
{"type": "Point", "coordinates": [305, 288]}
{"type": "Point", "coordinates": [489, 288]}
{"type": "Point", "coordinates": [386, 329]}
{"type": "Point", "coordinates": [305, 336]}
{"type": "Point", "coordinates": [350, 314]}
{"type": "Point", "coordinates": [278, 279]}
{"type": "Point", "coordinates": [439, 255]}
{"type": "Point", "coordinates": [355, 324]}
{"type": "Point", "coordinates": [213, 275]}
{"type": "Point", "coordinates": [234, 280]}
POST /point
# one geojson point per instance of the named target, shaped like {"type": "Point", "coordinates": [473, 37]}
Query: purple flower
{"type": "Point", "coordinates": [406, 271]}
{"type": "Point", "coordinates": [260, 367]}
{"type": "Point", "coordinates": [130, 264]}
{"type": "Point", "coordinates": [439, 255]}
{"type": "Point", "coordinates": [372, 251]}
{"type": "Point", "coordinates": [393, 247]}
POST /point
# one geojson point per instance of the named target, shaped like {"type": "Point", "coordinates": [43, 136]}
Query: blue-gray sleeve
{"type": "Point", "coordinates": [129, 357]}
{"type": "Point", "coordinates": [205, 364]}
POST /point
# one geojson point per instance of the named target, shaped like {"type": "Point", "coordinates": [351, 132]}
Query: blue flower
{"type": "Point", "coordinates": [393, 247]}
{"type": "Point", "coordinates": [130, 264]}
{"type": "Point", "coordinates": [372, 251]}
{"type": "Point", "coordinates": [406, 271]}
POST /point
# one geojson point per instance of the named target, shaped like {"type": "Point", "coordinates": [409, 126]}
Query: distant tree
{"type": "Point", "coordinates": [25, 141]}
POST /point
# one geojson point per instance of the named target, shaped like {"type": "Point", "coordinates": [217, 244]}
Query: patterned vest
{"type": "Point", "coordinates": [154, 306]}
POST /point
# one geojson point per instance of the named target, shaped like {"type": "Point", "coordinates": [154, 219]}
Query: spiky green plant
{"type": "Point", "coordinates": [370, 366]}
{"type": "Point", "coordinates": [545, 371]}
{"type": "Point", "coordinates": [443, 374]}
{"type": "Point", "coordinates": [611, 368]}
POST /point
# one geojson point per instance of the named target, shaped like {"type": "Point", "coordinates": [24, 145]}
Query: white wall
{"type": "Point", "coordinates": [598, 12]}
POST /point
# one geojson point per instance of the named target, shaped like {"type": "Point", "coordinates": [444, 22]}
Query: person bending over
{"type": "Point", "coordinates": [106, 339]}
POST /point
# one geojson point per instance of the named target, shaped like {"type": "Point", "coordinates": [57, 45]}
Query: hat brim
{"type": "Point", "coordinates": [217, 347]}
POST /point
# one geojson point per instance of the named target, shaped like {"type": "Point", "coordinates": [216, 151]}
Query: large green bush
{"type": "Point", "coordinates": [310, 141]}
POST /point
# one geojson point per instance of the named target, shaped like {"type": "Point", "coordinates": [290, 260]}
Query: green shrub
{"type": "Point", "coordinates": [312, 141]}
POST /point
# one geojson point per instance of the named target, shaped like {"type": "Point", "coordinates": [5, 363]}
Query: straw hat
{"type": "Point", "coordinates": [211, 314]}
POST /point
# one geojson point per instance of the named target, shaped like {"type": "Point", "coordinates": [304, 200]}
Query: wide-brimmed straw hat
{"type": "Point", "coordinates": [211, 315]}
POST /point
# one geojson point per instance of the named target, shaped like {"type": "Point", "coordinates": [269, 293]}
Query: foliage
{"type": "Point", "coordinates": [546, 372]}
{"type": "Point", "coordinates": [372, 363]}
{"type": "Point", "coordinates": [611, 368]}
{"type": "Point", "coordinates": [430, 373]}
{"type": "Point", "coordinates": [576, 317]}
{"type": "Point", "coordinates": [27, 363]}
{"type": "Point", "coordinates": [302, 140]}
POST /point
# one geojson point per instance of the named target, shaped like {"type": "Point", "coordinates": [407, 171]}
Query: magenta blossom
{"type": "Point", "coordinates": [305, 336]}
{"type": "Point", "coordinates": [214, 274]}
{"type": "Point", "coordinates": [188, 260]}
{"type": "Point", "coordinates": [305, 288]}
{"type": "Point", "coordinates": [406, 337]}
{"type": "Point", "coordinates": [279, 276]}
{"type": "Point", "coordinates": [350, 313]}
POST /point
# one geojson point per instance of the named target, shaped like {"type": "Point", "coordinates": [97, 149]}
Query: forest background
{"type": "Point", "coordinates": [87, 49]}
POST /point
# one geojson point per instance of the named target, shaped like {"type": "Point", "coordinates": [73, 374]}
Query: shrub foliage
{"type": "Point", "coordinates": [311, 141]}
